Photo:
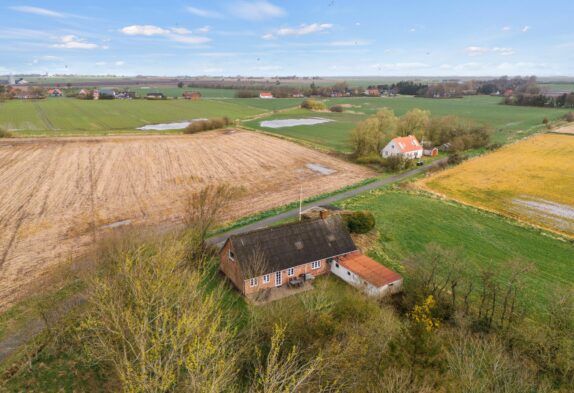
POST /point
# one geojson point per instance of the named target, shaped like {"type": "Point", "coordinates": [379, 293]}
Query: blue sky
{"type": "Point", "coordinates": [260, 37]}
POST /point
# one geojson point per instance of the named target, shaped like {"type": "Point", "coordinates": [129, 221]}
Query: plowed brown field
{"type": "Point", "coordinates": [57, 196]}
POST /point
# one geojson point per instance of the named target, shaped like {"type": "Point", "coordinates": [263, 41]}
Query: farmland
{"type": "Point", "coordinates": [61, 195]}
{"type": "Point", "coordinates": [408, 222]}
{"type": "Point", "coordinates": [531, 181]}
{"type": "Point", "coordinates": [509, 122]}
{"type": "Point", "coordinates": [57, 115]}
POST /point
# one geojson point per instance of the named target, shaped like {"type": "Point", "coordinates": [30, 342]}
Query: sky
{"type": "Point", "coordinates": [303, 38]}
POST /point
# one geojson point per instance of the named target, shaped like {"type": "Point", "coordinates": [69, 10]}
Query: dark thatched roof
{"type": "Point", "coordinates": [292, 244]}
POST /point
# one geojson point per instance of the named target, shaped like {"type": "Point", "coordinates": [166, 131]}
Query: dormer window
{"type": "Point", "coordinates": [231, 255]}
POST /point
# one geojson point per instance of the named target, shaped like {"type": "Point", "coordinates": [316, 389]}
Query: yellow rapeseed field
{"type": "Point", "coordinates": [532, 181]}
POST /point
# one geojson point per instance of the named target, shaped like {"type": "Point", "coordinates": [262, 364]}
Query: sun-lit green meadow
{"type": "Point", "coordinates": [408, 222]}
{"type": "Point", "coordinates": [67, 115]}
{"type": "Point", "coordinates": [508, 122]}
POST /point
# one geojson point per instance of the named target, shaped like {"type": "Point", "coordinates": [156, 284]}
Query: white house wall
{"type": "Point", "coordinates": [351, 278]}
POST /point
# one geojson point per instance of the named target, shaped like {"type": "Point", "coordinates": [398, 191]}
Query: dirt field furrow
{"type": "Point", "coordinates": [60, 195]}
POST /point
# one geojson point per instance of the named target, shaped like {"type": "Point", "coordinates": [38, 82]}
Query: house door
{"type": "Point", "coordinates": [278, 279]}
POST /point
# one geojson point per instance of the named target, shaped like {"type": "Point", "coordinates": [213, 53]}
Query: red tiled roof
{"type": "Point", "coordinates": [369, 270]}
{"type": "Point", "coordinates": [266, 94]}
{"type": "Point", "coordinates": [407, 144]}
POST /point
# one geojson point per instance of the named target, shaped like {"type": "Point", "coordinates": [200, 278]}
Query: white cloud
{"type": "Point", "coordinates": [506, 28]}
{"type": "Point", "coordinates": [476, 50]}
{"type": "Point", "coordinates": [73, 42]}
{"type": "Point", "coordinates": [479, 50]}
{"type": "Point", "coordinates": [101, 63]}
{"type": "Point", "coordinates": [504, 51]}
{"type": "Point", "coordinates": [203, 12]}
{"type": "Point", "coordinates": [38, 11]}
{"type": "Point", "coordinates": [177, 34]}
{"type": "Point", "coordinates": [119, 63]}
{"type": "Point", "coordinates": [412, 29]}
{"type": "Point", "coordinates": [180, 30]}
{"type": "Point", "coordinates": [525, 29]}
{"type": "Point", "coordinates": [147, 30]}
{"type": "Point", "coordinates": [256, 10]}
{"type": "Point", "coordinates": [204, 29]}
{"type": "Point", "coordinates": [304, 29]}
{"type": "Point", "coordinates": [268, 68]}
{"type": "Point", "coordinates": [268, 36]}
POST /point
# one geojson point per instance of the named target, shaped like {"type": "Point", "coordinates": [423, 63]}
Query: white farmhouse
{"type": "Point", "coordinates": [366, 274]}
{"type": "Point", "coordinates": [406, 146]}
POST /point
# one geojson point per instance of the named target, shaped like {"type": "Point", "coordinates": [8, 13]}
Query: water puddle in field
{"type": "Point", "coordinates": [320, 169]}
{"type": "Point", "coordinates": [167, 126]}
{"type": "Point", "coordinates": [310, 121]}
{"type": "Point", "coordinates": [552, 213]}
{"type": "Point", "coordinates": [116, 224]}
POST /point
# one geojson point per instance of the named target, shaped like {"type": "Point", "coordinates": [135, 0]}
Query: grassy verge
{"type": "Point", "coordinates": [281, 209]}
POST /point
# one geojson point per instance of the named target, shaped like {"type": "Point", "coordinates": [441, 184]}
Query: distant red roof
{"type": "Point", "coordinates": [407, 144]}
{"type": "Point", "coordinates": [369, 270]}
{"type": "Point", "coordinates": [265, 94]}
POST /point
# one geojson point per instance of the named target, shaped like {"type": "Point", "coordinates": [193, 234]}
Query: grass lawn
{"type": "Point", "coordinates": [509, 122]}
{"type": "Point", "coordinates": [408, 222]}
{"type": "Point", "coordinates": [66, 114]}
{"type": "Point", "coordinates": [268, 104]}
{"type": "Point", "coordinates": [175, 91]}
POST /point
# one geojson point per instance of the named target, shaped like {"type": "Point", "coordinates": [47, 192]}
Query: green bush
{"type": "Point", "coordinates": [360, 221]}
{"type": "Point", "coordinates": [313, 105]}
{"type": "Point", "coordinates": [208, 124]}
{"type": "Point", "coordinates": [373, 158]}
{"type": "Point", "coordinates": [337, 108]}
{"type": "Point", "coordinates": [5, 134]}
{"type": "Point", "coordinates": [569, 117]}
{"type": "Point", "coordinates": [397, 163]}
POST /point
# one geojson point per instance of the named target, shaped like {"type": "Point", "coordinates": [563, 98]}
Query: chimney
{"type": "Point", "coordinates": [324, 214]}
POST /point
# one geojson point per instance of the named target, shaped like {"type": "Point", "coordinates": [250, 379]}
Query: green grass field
{"type": "Point", "coordinates": [175, 91]}
{"type": "Point", "coordinates": [509, 122]}
{"type": "Point", "coordinates": [408, 222]}
{"type": "Point", "coordinates": [68, 114]}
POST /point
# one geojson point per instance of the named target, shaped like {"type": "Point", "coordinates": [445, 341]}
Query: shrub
{"type": "Point", "coordinates": [373, 158]}
{"type": "Point", "coordinates": [5, 134]}
{"type": "Point", "coordinates": [569, 117]}
{"type": "Point", "coordinates": [336, 108]}
{"type": "Point", "coordinates": [360, 221]}
{"type": "Point", "coordinates": [494, 146]}
{"type": "Point", "coordinates": [313, 105]}
{"type": "Point", "coordinates": [456, 158]}
{"type": "Point", "coordinates": [246, 94]}
{"type": "Point", "coordinates": [397, 163]}
{"type": "Point", "coordinates": [208, 124]}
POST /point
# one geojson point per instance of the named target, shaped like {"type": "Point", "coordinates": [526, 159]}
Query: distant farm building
{"type": "Point", "coordinates": [406, 147]}
{"type": "Point", "coordinates": [55, 93]}
{"type": "Point", "coordinates": [373, 92]}
{"type": "Point", "coordinates": [126, 95]}
{"type": "Point", "coordinates": [107, 94]}
{"type": "Point", "coordinates": [265, 94]}
{"type": "Point", "coordinates": [430, 151]}
{"type": "Point", "coordinates": [192, 95]}
{"type": "Point", "coordinates": [290, 255]}
{"type": "Point", "coordinates": [155, 96]}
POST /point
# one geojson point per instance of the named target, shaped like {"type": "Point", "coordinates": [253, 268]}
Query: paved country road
{"type": "Point", "coordinates": [220, 239]}
{"type": "Point", "coordinates": [10, 344]}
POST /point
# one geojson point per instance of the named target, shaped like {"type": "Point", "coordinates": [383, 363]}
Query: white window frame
{"type": "Point", "coordinates": [229, 252]}
{"type": "Point", "coordinates": [253, 282]}
{"type": "Point", "coordinates": [266, 279]}
{"type": "Point", "coordinates": [315, 265]}
{"type": "Point", "coordinates": [278, 278]}
{"type": "Point", "coordinates": [291, 272]}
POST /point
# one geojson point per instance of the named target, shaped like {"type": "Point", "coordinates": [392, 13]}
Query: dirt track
{"type": "Point", "coordinates": [59, 195]}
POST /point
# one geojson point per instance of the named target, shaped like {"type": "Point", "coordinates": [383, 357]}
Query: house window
{"type": "Point", "coordinates": [290, 272]}
{"type": "Point", "coordinates": [348, 273]}
{"type": "Point", "coordinates": [315, 265]}
{"type": "Point", "coordinates": [266, 279]}
{"type": "Point", "coordinates": [253, 282]}
{"type": "Point", "coordinates": [336, 264]}
{"type": "Point", "coordinates": [231, 255]}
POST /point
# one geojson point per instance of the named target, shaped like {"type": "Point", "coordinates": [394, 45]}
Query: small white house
{"type": "Point", "coordinates": [266, 94]}
{"type": "Point", "coordinates": [406, 146]}
{"type": "Point", "coordinates": [366, 274]}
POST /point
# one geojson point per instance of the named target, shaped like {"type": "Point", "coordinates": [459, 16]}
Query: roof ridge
{"type": "Point", "coordinates": [289, 224]}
